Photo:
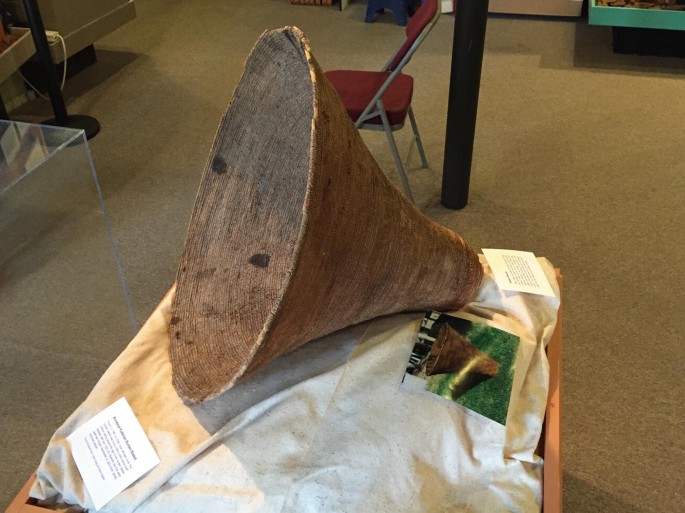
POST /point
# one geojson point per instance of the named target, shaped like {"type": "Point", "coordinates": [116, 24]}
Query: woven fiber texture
{"type": "Point", "coordinates": [296, 232]}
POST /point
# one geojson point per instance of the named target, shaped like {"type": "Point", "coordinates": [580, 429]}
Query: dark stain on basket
{"type": "Point", "coordinates": [260, 260]}
{"type": "Point", "coordinates": [219, 165]}
{"type": "Point", "coordinates": [206, 273]}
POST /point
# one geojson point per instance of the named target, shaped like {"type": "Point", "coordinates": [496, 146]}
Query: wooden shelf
{"type": "Point", "coordinates": [17, 54]}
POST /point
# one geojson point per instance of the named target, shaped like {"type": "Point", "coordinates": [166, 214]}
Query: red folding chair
{"type": "Point", "coordinates": [381, 100]}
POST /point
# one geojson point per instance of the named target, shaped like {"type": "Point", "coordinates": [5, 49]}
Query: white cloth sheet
{"type": "Point", "coordinates": [327, 428]}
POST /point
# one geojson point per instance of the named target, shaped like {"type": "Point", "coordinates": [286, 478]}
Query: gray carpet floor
{"type": "Point", "coordinates": [579, 157]}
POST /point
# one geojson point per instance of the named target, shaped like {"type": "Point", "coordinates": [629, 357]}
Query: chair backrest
{"type": "Point", "coordinates": [417, 29]}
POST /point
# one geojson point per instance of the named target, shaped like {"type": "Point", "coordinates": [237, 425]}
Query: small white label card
{"type": "Point", "coordinates": [111, 451]}
{"type": "Point", "coordinates": [518, 271]}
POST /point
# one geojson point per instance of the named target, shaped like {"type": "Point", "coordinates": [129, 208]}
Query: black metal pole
{"type": "Point", "coordinates": [467, 59]}
{"type": "Point", "coordinates": [45, 57]}
{"type": "Point", "coordinates": [88, 124]}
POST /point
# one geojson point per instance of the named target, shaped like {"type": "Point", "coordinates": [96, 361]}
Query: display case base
{"type": "Point", "coordinates": [644, 41]}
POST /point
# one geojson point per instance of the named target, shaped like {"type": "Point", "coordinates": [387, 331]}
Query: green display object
{"type": "Point", "coordinates": [638, 18]}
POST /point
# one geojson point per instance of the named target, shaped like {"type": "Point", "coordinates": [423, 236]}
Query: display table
{"type": "Point", "coordinates": [549, 447]}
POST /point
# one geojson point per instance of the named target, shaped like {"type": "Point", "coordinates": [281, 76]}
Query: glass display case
{"type": "Point", "coordinates": [61, 281]}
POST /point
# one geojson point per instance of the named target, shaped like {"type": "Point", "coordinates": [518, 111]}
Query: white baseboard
{"type": "Point", "coordinates": [539, 7]}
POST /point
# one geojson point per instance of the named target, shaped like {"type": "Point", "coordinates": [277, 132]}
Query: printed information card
{"type": "Point", "coordinates": [518, 271]}
{"type": "Point", "coordinates": [111, 451]}
{"type": "Point", "coordinates": [465, 362]}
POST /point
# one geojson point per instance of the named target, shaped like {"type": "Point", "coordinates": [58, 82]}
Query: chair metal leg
{"type": "Point", "coordinates": [395, 153]}
{"type": "Point", "coordinates": [410, 152]}
{"type": "Point", "coordinates": [417, 138]}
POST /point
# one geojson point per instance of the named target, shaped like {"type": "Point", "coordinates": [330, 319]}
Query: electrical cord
{"type": "Point", "coordinates": [64, 62]}
{"type": "Point", "coordinates": [64, 71]}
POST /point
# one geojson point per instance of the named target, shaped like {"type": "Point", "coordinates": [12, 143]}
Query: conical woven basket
{"type": "Point", "coordinates": [296, 232]}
